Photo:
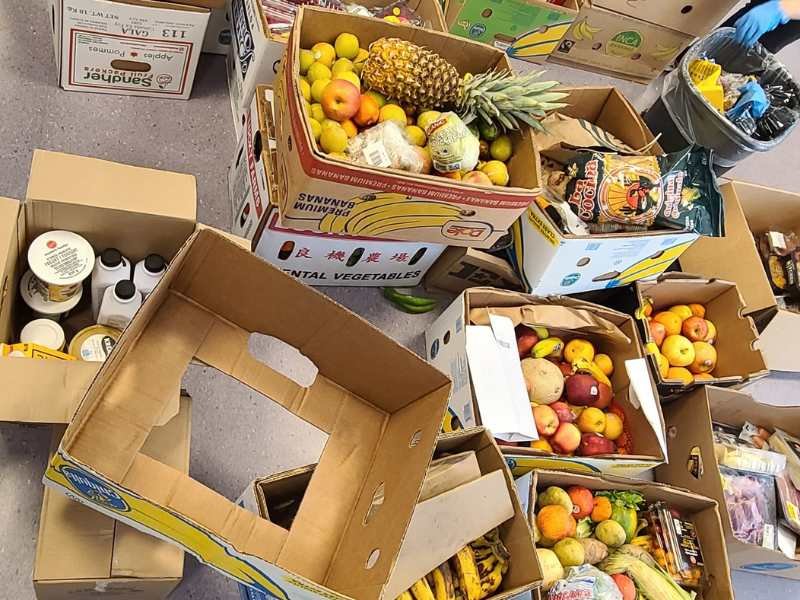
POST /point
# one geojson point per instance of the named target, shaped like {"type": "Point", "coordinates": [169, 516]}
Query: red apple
{"type": "Point", "coordinates": [566, 368]}
{"type": "Point", "coordinates": [565, 415]}
{"type": "Point", "coordinates": [604, 398]}
{"type": "Point", "coordinates": [592, 444]}
{"type": "Point", "coordinates": [657, 332]}
{"type": "Point", "coordinates": [340, 100]}
{"type": "Point", "coordinates": [546, 420]}
{"type": "Point", "coordinates": [566, 438]}
{"type": "Point", "coordinates": [526, 339]}
{"type": "Point", "coordinates": [582, 390]}
{"type": "Point", "coordinates": [695, 328]}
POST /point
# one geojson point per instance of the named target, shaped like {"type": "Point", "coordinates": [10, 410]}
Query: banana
{"type": "Point", "coordinates": [442, 582]}
{"type": "Point", "coordinates": [486, 565]}
{"type": "Point", "coordinates": [642, 541]}
{"type": "Point", "coordinates": [405, 596]}
{"type": "Point", "coordinates": [410, 304]}
{"type": "Point", "coordinates": [541, 332]}
{"type": "Point", "coordinates": [583, 364]}
{"type": "Point", "coordinates": [467, 571]}
{"type": "Point", "coordinates": [492, 581]}
{"type": "Point", "coordinates": [421, 590]}
{"type": "Point", "coordinates": [551, 346]}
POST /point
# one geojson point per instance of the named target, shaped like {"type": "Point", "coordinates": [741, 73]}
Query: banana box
{"type": "Point", "coordinates": [451, 509]}
{"type": "Point", "coordinates": [553, 262]}
{"type": "Point", "coordinates": [379, 404]}
{"type": "Point", "coordinates": [315, 258]}
{"type": "Point", "coordinates": [527, 30]}
{"type": "Point", "coordinates": [461, 344]}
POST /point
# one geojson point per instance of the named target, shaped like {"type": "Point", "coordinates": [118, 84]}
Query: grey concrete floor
{"type": "Point", "coordinates": [237, 435]}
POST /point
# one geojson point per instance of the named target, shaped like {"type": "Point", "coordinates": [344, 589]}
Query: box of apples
{"type": "Point", "coordinates": [694, 333]}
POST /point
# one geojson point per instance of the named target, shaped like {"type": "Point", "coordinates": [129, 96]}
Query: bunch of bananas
{"type": "Point", "coordinates": [474, 573]}
{"type": "Point", "coordinates": [414, 305]}
{"type": "Point", "coordinates": [583, 31]}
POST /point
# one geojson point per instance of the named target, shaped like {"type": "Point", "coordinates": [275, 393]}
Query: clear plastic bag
{"type": "Point", "coordinates": [585, 581]}
{"type": "Point", "coordinates": [386, 145]}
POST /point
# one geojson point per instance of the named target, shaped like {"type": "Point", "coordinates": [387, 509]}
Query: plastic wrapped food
{"type": "Point", "coordinates": [732, 83]}
{"type": "Point", "coordinates": [585, 582]}
{"type": "Point", "coordinates": [789, 497]}
{"type": "Point", "coordinates": [676, 548]}
{"type": "Point", "coordinates": [399, 12]}
{"type": "Point", "coordinates": [624, 193]}
{"type": "Point", "coordinates": [385, 145]}
{"type": "Point", "coordinates": [750, 500]}
{"type": "Point", "coordinates": [453, 146]}
{"type": "Point", "coordinates": [789, 446]}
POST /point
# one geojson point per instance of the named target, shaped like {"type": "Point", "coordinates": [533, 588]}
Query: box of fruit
{"type": "Point", "coordinates": [694, 333]}
{"type": "Point", "coordinates": [613, 538]}
{"type": "Point", "coordinates": [561, 383]}
{"type": "Point", "coordinates": [379, 150]}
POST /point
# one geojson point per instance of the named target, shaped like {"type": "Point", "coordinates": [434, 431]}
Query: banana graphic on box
{"type": "Point", "coordinates": [583, 31]}
{"type": "Point", "coordinates": [539, 42]}
{"type": "Point", "coordinates": [664, 52]}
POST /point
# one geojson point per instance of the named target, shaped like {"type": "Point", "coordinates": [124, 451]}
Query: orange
{"type": "Point", "coordinates": [555, 522]}
{"type": "Point", "coordinates": [604, 362]}
{"type": "Point", "coordinates": [349, 128]}
{"type": "Point", "coordinates": [680, 373]}
{"type": "Point", "coordinates": [601, 510]}
{"type": "Point", "coordinates": [368, 111]}
{"type": "Point", "coordinates": [670, 320]}
{"type": "Point", "coordinates": [682, 310]}
{"type": "Point", "coordinates": [578, 348]}
{"type": "Point", "coordinates": [698, 310]}
{"type": "Point", "coordinates": [543, 445]}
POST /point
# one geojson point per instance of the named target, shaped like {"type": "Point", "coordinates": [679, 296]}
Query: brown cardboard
{"type": "Point", "coordinates": [460, 268]}
{"type": "Point", "coordinates": [449, 472]}
{"type": "Point", "coordinates": [693, 17]}
{"type": "Point", "coordinates": [324, 194]}
{"type": "Point", "coordinates": [381, 422]}
{"type": "Point", "coordinates": [750, 210]}
{"type": "Point", "coordinates": [82, 552]}
{"type": "Point", "coordinates": [738, 358]}
{"type": "Point", "coordinates": [701, 510]}
{"type": "Point", "coordinates": [604, 41]}
{"type": "Point", "coordinates": [689, 426]}
{"type": "Point", "coordinates": [612, 332]}
{"type": "Point", "coordinates": [134, 209]}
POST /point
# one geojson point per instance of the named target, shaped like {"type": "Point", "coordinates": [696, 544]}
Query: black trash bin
{"type": "Point", "coordinates": [683, 116]}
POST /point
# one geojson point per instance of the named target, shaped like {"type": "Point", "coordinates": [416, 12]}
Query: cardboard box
{"type": "Point", "coordinates": [695, 18]}
{"type": "Point", "coordinates": [524, 29]}
{"type": "Point", "coordinates": [128, 47]}
{"type": "Point", "coordinates": [460, 268]}
{"type": "Point", "coordinates": [613, 332]}
{"type": "Point", "coordinates": [276, 498]}
{"type": "Point", "coordinates": [381, 424]}
{"type": "Point", "coordinates": [552, 262]}
{"type": "Point", "coordinates": [137, 210]}
{"type": "Point", "coordinates": [312, 257]}
{"type": "Point", "coordinates": [255, 51]}
{"type": "Point", "coordinates": [218, 33]}
{"type": "Point", "coordinates": [694, 465]}
{"type": "Point", "coordinates": [738, 359]}
{"type": "Point", "coordinates": [604, 41]}
{"type": "Point", "coordinates": [702, 511]}
{"type": "Point", "coordinates": [750, 210]}
{"type": "Point", "coordinates": [329, 195]}
{"type": "Point", "coordinates": [82, 553]}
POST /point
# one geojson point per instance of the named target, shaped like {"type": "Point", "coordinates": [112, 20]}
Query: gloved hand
{"type": "Point", "coordinates": [753, 99]}
{"type": "Point", "coordinates": [758, 21]}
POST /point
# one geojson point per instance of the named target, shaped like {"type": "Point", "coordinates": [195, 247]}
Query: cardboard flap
{"type": "Point", "coordinates": [9, 212]}
{"type": "Point", "coordinates": [782, 333]}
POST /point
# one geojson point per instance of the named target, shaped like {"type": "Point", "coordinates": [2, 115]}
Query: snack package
{"type": "Point", "coordinates": [789, 446]}
{"type": "Point", "coordinates": [623, 193]}
{"type": "Point", "coordinates": [750, 500]}
{"type": "Point", "coordinates": [789, 497]}
{"type": "Point", "coordinates": [585, 581]}
{"type": "Point", "coordinates": [754, 435]}
{"type": "Point", "coordinates": [385, 145]}
{"type": "Point", "coordinates": [23, 350]}
{"type": "Point", "coordinates": [675, 545]}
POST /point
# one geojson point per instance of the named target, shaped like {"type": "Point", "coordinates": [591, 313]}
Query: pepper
{"type": "Point", "coordinates": [408, 303]}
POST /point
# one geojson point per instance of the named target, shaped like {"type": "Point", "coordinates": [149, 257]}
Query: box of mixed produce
{"type": "Point", "coordinates": [561, 383]}
{"type": "Point", "coordinates": [694, 333]}
{"type": "Point", "coordinates": [746, 456]}
{"type": "Point", "coordinates": [613, 209]}
{"type": "Point", "coordinates": [612, 538]}
{"type": "Point", "coordinates": [468, 520]}
{"type": "Point", "coordinates": [386, 162]}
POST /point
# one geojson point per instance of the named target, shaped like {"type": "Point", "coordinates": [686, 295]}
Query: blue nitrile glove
{"type": "Point", "coordinates": [753, 99]}
{"type": "Point", "coordinates": [758, 21]}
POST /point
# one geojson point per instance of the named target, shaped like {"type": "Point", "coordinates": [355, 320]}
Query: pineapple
{"type": "Point", "coordinates": [419, 77]}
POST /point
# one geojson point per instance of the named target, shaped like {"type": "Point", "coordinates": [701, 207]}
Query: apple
{"type": "Point", "coordinates": [546, 420]}
{"type": "Point", "coordinates": [678, 351]}
{"type": "Point", "coordinates": [526, 339]}
{"type": "Point", "coordinates": [695, 328]}
{"type": "Point", "coordinates": [657, 332]}
{"type": "Point", "coordinates": [592, 444]}
{"type": "Point", "coordinates": [605, 397]}
{"type": "Point", "coordinates": [477, 177]}
{"type": "Point", "coordinates": [582, 390]}
{"type": "Point", "coordinates": [340, 100]}
{"type": "Point", "coordinates": [566, 439]}
{"type": "Point", "coordinates": [563, 411]}
{"type": "Point", "coordinates": [566, 368]}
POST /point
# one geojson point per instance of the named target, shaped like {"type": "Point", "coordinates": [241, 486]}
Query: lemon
{"type": "Point", "coordinates": [316, 128]}
{"type": "Point", "coordinates": [340, 155]}
{"type": "Point", "coordinates": [329, 123]}
{"type": "Point", "coordinates": [317, 112]}
{"type": "Point", "coordinates": [341, 65]}
{"type": "Point", "coordinates": [318, 70]}
{"type": "Point", "coordinates": [306, 59]}
{"type": "Point", "coordinates": [317, 88]}
{"type": "Point", "coordinates": [488, 131]}
{"type": "Point", "coordinates": [501, 148]}
{"type": "Point", "coordinates": [349, 128]}
{"type": "Point", "coordinates": [416, 135]}
{"type": "Point", "coordinates": [324, 53]}
{"type": "Point", "coordinates": [346, 45]}
{"type": "Point", "coordinates": [333, 139]}
{"type": "Point", "coordinates": [378, 97]}
{"type": "Point", "coordinates": [497, 172]}
{"type": "Point", "coordinates": [392, 112]}
{"type": "Point", "coordinates": [426, 118]}
{"type": "Point", "coordinates": [306, 107]}
{"type": "Point", "coordinates": [359, 60]}
{"type": "Point", "coordinates": [305, 89]}
{"type": "Point", "coordinates": [351, 77]}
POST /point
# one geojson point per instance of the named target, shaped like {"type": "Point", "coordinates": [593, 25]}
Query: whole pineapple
{"type": "Point", "coordinates": [417, 76]}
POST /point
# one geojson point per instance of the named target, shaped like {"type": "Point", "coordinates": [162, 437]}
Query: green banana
{"type": "Point", "coordinates": [410, 304]}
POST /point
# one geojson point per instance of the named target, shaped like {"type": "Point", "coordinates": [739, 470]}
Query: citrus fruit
{"type": "Point", "coordinates": [317, 88]}
{"type": "Point", "coordinates": [346, 45]}
{"type": "Point", "coordinates": [379, 98]}
{"type": "Point", "coordinates": [350, 128]}
{"type": "Point", "coordinates": [349, 76]}
{"type": "Point", "coordinates": [342, 65]}
{"type": "Point", "coordinates": [324, 53]}
{"type": "Point", "coordinates": [305, 89]}
{"type": "Point", "coordinates": [427, 117]}
{"type": "Point", "coordinates": [317, 112]}
{"type": "Point", "coordinates": [392, 112]}
{"type": "Point", "coordinates": [500, 148]}
{"type": "Point", "coordinates": [416, 135]}
{"type": "Point", "coordinates": [318, 70]}
{"type": "Point", "coordinates": [306, 59]}
{"type": "Point", "coordinates": [497, 172]}
{"type": "Point", "coordinates": [488, 131]}
{"type": "Point", "coordinates": [316, 128]}
{"type": "Point", "coordinates": [333, 139]}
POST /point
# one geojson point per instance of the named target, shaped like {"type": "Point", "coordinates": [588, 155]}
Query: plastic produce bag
{"type": "Point", "coordinates": [385, 145]}
{"type": "Point", "coordinates": [585, 583]}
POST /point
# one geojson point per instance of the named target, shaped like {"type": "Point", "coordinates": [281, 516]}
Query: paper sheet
{"type": "Point", "coordinates": [642, 396]}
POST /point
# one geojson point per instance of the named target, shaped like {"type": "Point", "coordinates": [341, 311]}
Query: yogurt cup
{"type": "Point", "coordinates": [94, 343]}
{"type": "Point", "coordinates": [44, 332]}
{"type": "Point", "coordinates": [31, 291]}
{"type": "Point", "coordinates": [60, 260]}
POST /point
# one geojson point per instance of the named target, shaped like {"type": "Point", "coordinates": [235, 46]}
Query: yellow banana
{"type": "Point", "coordinates": [442, 582]}
{"type": "Point", "coordinates": [541, 332]}
{"type": "Point", "coordinates": [486, 565]}
{"type": "Point", "coordinates": [551, 346]}
{"type": "Point", "coordinates": [405, 596]}
{"type": "Point", "coordinates": [583, 364]}
{"type": "Point", "coordinates": [421, 590]}
{"type": "Point", "coordinates": [491, 582]}
{"type": "Point", "coordinates": [467, 571]}
{"type": "Point", "coordinates": [643, 541]}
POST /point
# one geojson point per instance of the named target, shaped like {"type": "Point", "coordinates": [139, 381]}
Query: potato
{"type": "Point", "coordinates": [594, 551]}
{"type": "Point", "coordinates": [543, 379]}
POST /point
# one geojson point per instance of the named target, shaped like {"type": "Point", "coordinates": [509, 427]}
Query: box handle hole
{"type": "Point", "coordinates": [377, 502]}
{"type": "Point", "coordinates": [372, 558]}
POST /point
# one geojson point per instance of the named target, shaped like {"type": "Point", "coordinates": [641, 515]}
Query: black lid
{"type": "Point", "coordinates": [111, 257]}
{"type": "Point", "coordinates": [154, 263]}
{"type": "Point", "coordinates": [124, 290]}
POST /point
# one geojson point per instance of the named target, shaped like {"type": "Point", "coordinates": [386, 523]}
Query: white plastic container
{"type": "Point", "coordinates": [94, 343]}
{"type": "Point", "coordinates": [61, 260]}
{"type": "Point", "coordinates": [44, 332]}
{"type": "Point", "coordinates": [31, 291]}
{"type": "Point", "coordinates": [109, 268]}
{"type": "Point", "coordinates": [120, 303]}
{"type": "Point", "coordinates": [148, 273]}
